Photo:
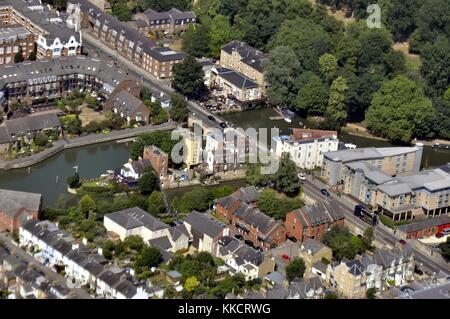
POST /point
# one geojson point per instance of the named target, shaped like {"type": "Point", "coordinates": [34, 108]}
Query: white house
{"type": "Point", "coordinates": [135, 221]}
{"type": "Point", "coordinates": [134, 169]}
{"type": "Point", "coordinates": [306, 147]}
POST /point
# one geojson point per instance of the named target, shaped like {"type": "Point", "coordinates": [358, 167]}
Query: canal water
{"type": "Point", "coordinates": [260, 119]}
{"type": "Point", "coordinates": [49, 177]}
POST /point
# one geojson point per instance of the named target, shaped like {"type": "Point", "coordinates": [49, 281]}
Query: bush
{"type": "Point", "coordinates": [74, 181]}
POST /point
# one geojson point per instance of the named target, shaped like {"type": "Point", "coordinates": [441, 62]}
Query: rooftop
{"type": "Point", "coordinates": [367, 153]}
{"type": "Point", "coordinates": [13, 201]}
{"type": "Point", "coordinates": [136, 217]}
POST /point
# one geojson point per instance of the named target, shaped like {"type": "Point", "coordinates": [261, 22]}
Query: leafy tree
{"type": "Point", "coordinates": [122, 11]}
{"type": "Point", "coordinates": [147, 258]}
{"type": "Point", "coordinates": [41, 139]}
{"type": "Point", "coordinates": [312, 98]}
{"type": "Point", "coordinates": [188, 78]}
{"type": "Point", "coordinates": [196, 199]}
{"type": "Point", "coordinates": [156, 204]}
{"type": "Point", "coordinates": [196, 40]}
{"type": "Point", "coordinates": [191, 283]}
{"type": "Point", "coordinates": [134, 242]}
{"type": "Point", "coordinates": [170, 293]}
{"type": "Point", "coordinates": [18, 57]}
{"type": "Point", "coordinates": [87, 205]}
{"type": "Point", "coordinates": [220, 33]}
{"type": "Point", "coordinates": [370, 293]}
{"type": "Point", "coordinates": [328, 65]}
{"type": "Point", "coordinates": [286, 178]}
{"type": "Point", "coordinates": [179, 110]}
{"type": "Point", "coordinates": [32, 56]}
{"type": "Point", "coordinates": [337, 110]}
{"type": "Point", "coordinates": [108, 249]}
{"type": "Point", "coordinates": [436, 65]}
{"type": "Point", "coordinates": [343, 244]}
{"type": "Point", "coordinates": [74, 181]}
{"type": "Point", "coordinates": [276, 205]}
{"type": "Point", "coordinates": [281, 69]}
{"type": "Point", "coordinates": [254, 177]}
{"type": "Point", "coordinates": [400, 111]}
{"type": "Point", "coordinates": [295, 269]}
{"type": "Point", "coordinates": [401, 18]}
{"type": "Point", "coordinates": [445, 248]}
{"type": "Point", "coordinates": [147, 183]}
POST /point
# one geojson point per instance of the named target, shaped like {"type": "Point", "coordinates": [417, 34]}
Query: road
{"type": "Point", "coordinates": [22, 254]}
{"type": "Point", "coordinates": [423, 256]}
{"type": "Point", "coordinates": [434, 263]}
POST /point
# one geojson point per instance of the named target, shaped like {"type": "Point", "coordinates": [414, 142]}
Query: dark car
{"type": "Point", "coordinates": [223, 125]}
{"type": "Point", "coordinates": [439, 235]}
{"type": "Point", "coordinates": [238, 237]}
{"type": "Point", "coordinates": [401, 241]}
{"type": "Point", "coordinates": [418, 271]}
{"type": "Point", "coordinates": [325, 192]}
{"type": "Point", "coordinates": [212, 118]}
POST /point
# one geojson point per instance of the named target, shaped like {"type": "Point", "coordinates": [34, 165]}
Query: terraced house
{"type": "Point", "coordinates": [167, 22]}
{"type": "Point", "coordinates": [48, 30]}
{"type": "Point", "coordinates": [123, 39]}
{"type": "Point", "coordinates": [14, 40]}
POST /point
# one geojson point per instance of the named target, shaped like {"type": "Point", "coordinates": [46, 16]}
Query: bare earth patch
{"type": "Point", "coordinates": [88, 115]}
{"type": "Point", "coordinates": [412, 60]}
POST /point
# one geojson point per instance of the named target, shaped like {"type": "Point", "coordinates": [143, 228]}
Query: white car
{"type": "Point", "coordinates": [301, 176]}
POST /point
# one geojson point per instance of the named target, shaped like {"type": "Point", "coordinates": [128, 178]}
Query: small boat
{"type": "Point", "coordinates": [441, 146]}
{"type": "Point", "coordinates": [350, 146]}
{"type": "Point", "coordinates": [288, 120]}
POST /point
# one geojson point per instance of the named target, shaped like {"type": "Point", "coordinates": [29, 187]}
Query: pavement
{"type": "Point", "coordinates": [19, 252]}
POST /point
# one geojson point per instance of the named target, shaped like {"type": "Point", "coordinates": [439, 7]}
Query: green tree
{"type": "Point", "coordinates": [195, 40]}
{"type": "Point", "coordinates": [156, 204]}
{"type": "Point", "coordinates": [328, 65]}
{"type": "Point", "coordinates": [341, 241]}
{"type": "Point", "coordinates": [295, 269]}
{"type": "Point", "coordinates": [191, 283]}
{"type": "Point", "coordinates": [401, 18]}
{"type": "Point", "coordinates": [400, 111]}
{"type": "Point", "coordinates": [147, 258]}
{"type": "Point", "coordinates": [312, 98]}
{"type": "Point", "coordinates": [179, 110]}
{"type": "Point", "coordinates": [436, 65]}
{"type": "Point", "coordinates": [445, 248]}
{"type": "Point", "coordinates": [220, 33]}
{"type": "Point", "coordinates": [370, 293]}
{"type": "Point", "coordinates": [32, 56]}
{"type": "Point", "coordinates": [108, 249]}
{"type": "Point", "coordinates": [337, 109]}
{"type": "Point", "coordinates": [277, 205]}
{"type": "Point", "coordinates": [74, 181]}
{"type": "Point", "coordinates": [122, 11]}
{"type": "Point", "coordinates": [18, 57]}
{"type": "Point", "coordinates": [41, 139]}
{"type": "Point", "coordinates": [281, 69]}
{"type": "Point", "coordinates": [134, 242]}
{"type": "Point", "coordinates": [368, 237]}
{"type": "Point", "coordinates": [87, 205]}
{"type": "Point", "coordinates": [196, 199]}
{"type": "Point", "coordinates": [286, 178]}
{"type": "Point", "coordinates": [170, 293]}
{"type": "Point", "coordinates": [147, 183]}
{"type": "Point", "coordinates": [188, 78]}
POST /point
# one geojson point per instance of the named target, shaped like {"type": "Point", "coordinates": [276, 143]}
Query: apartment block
{"type": "Point", "coordinates": [166, 22]}
{"type": "Point", "coordinates": [14, 40]}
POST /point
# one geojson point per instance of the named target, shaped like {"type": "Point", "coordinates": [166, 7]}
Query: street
{"type": "Point", "coordinates": [80, 293]}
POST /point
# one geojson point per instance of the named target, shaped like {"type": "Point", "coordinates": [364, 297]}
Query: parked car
{"type": "Point", "coordinates": [401, 241]}
{"type": "Point", "coordinates": [418, 271]}
{"type": "Point", "coordinates": [325, 192]}
{"type": "Point", "coordinates": [212, 118]}
{"type": "Point", "coordinates": [184, 178]}
{"type": "Point", "coordinates": [223, 125]}
{"type": "Point", "coordinates": [286, 257]}
{"type": "Point", "coordinates": [439, 235]}
{"type": "Point", "coordinates": [301, 176]}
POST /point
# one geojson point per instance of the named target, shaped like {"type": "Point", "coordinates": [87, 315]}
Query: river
{"type": "Point", "coordinates": [49, 177]}
{"type": "Point", "coordinates": [260, 119]}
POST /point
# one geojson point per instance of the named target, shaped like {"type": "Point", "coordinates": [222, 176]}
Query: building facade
{"type": "Point", "coordinates": [18, 207]}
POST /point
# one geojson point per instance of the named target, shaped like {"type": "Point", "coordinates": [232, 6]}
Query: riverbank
{"type": "Point", "coordinates": [91, 139]}
{"type": "Point", "coordinates": [357, 129]}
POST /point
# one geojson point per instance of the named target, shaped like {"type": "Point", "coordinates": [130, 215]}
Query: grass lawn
{"type": "Point", "coordinates": [88, 115]}
{"type": "Point", "coordinates": [413, 62]}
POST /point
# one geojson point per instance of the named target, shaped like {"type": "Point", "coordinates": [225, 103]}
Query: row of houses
{"type": "Point", "coordinates": [29, 26]}
{"type": "Point", "coordinates": [123, 39]}
{"type": "Point", "coordinates": [22, 280]}
{"type": "Point", "coordinates": [57, 248]}
{"type": "Point", "coordinates": [390, 181]}
{"type": "Point", "coordinates": [167, 22]}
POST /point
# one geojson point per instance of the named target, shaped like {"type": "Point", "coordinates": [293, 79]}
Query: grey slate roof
{"type": "Point", "coordinates": [4, 136]}
{"type": "Point", "coordinates": [238, 80]}
{"type": "Point", "coordinates": [204, 224]}
{"type": "Point", "coordinates": [177, 231]}
{"type": "Point", "coordinates": [256, 218]}
{"type": "Point", "coordinates": [136, 217]}
{"type": "Point", "coordinates": [320, 213]}
{"type": "Point", "coordinates": [367, 153]}
{"type": "Point", "coordinates": [13, 201]}
{"type": "Point", "coordinates": [312, 245]}
{"type": "Point", "coordinates": [371, 172]}
{"type": "Point", "coordinates": [248, 194]}
{"type": "Point", "coordinates": [32, 123]}
{"type": "Point", "coordinates": [128, 103]}
{"type": "Point", "coordinates": [161, 242]}
{"type": "Point", "coordinates": [424, 224]}
{"type": "Point", "coordinates": [249, 55]}
{"type": "Point", "coordinates": [127, 289]}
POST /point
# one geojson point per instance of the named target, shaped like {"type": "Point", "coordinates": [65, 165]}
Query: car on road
{"type": "Point", "coordinates": [211, 118]}
{"type": "Point", "coordinates": [439, 235]}
{"type": "Point", "coordinates": [223, 125]}
{"type": "Point", "coordinates": [238, 237]}
{"type": "Point", "coordinates": [402, 242]}
{"type": "Point", "coordinates": [325, 192]}
{"type": "Point", "coordinates": [286, 257]}
{"type": "Point", "coordinates": [418, 271]}
{"type": "Point", "coordinates": [184, 178]}
{"type": "Point", "coordinates": [301, 176]}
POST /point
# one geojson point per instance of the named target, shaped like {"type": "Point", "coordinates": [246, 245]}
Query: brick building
{"type": "Point", "coordinates": [167, 22]}
{"type": "Point", "coordinates": [313, 221]}
{"type": "Point", "coordinates": [158, 159]}
{"type": "Point", "coordinates": [128, 107]}
{"type": "Point", "coordinates": [123, 39]}
{"type": "Point", "coordinates": [18, 207]}
{"type": "Point", "coordinates": [424, 228]}
{"type": "Point", "coordinates": [14, 40]}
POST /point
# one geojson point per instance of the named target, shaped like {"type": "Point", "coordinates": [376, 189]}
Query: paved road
{"type": "Point", "coordinates": [80, 293]}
